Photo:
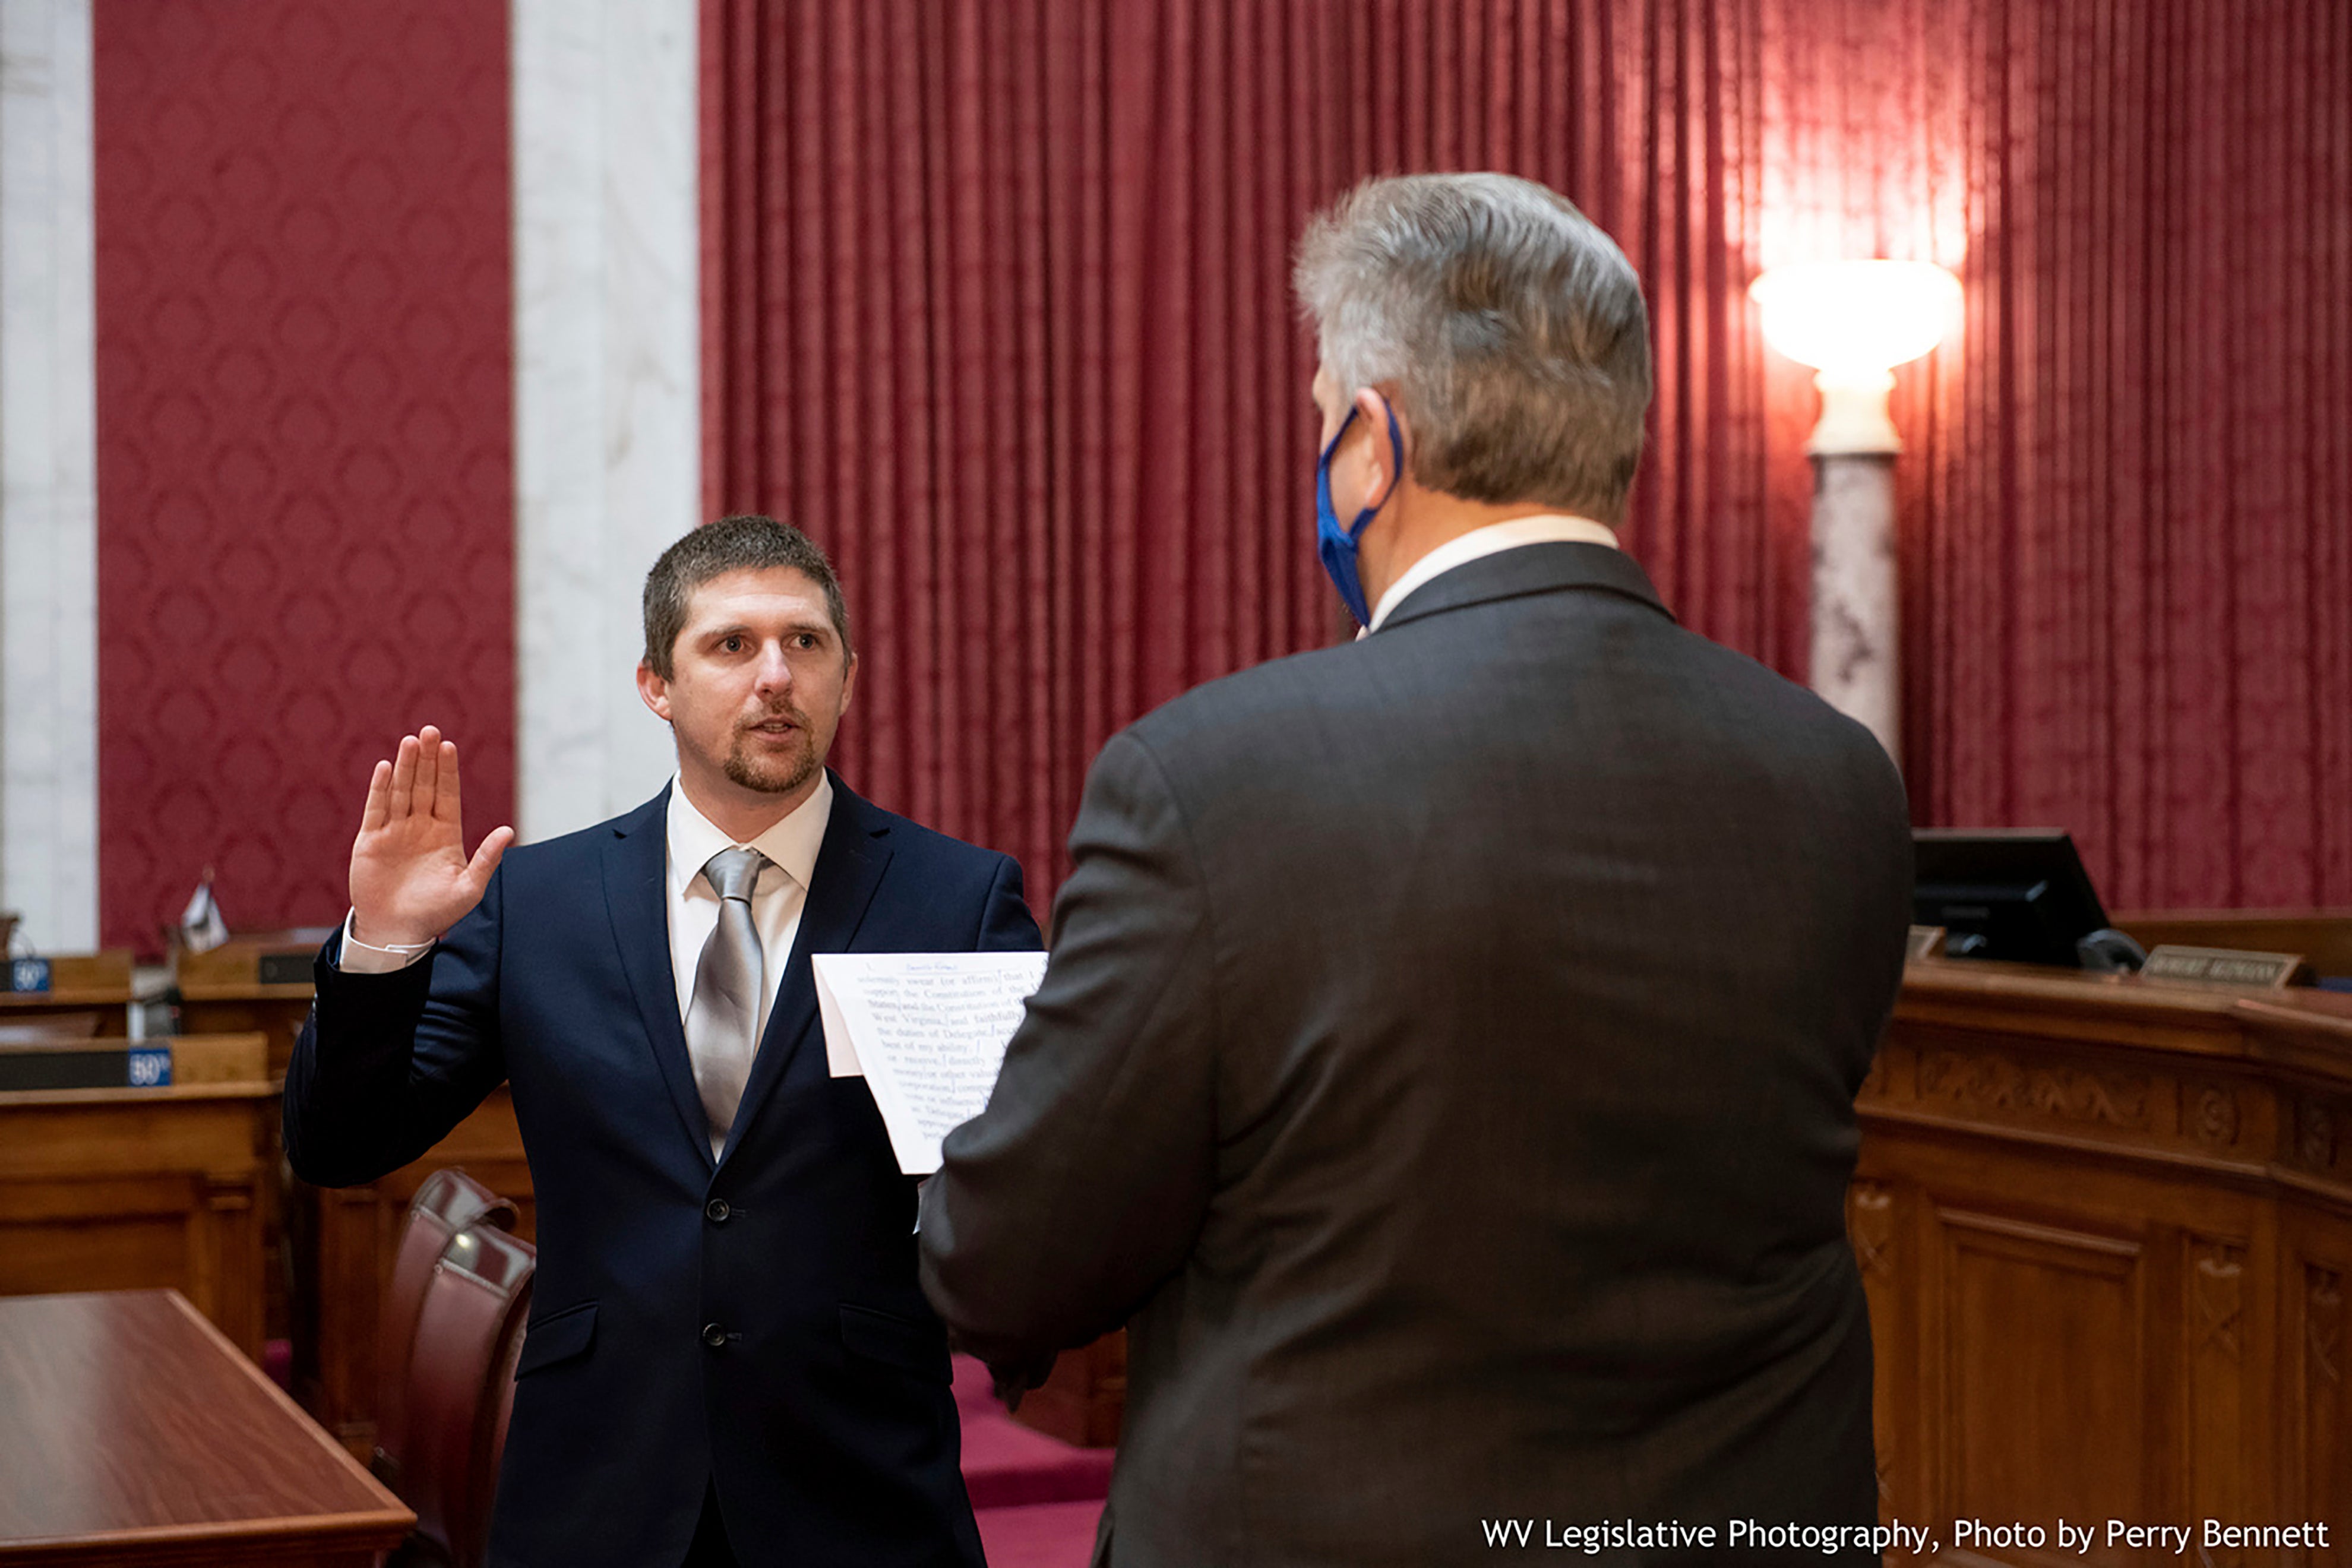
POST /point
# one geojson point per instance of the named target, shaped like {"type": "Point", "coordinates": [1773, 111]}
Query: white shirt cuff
{"type": "Point", "coordinates": [356, 957]}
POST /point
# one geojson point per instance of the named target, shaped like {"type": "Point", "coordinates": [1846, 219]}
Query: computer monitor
{"type": "Point", "coordinates": [2018, 894]}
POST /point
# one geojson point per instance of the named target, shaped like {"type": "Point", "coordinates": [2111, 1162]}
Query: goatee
{"type": "Point", "coordinates": [780, 779]}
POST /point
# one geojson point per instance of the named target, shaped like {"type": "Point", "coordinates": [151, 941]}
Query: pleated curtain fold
{"type": "Point", "coordinates": [996, 304]}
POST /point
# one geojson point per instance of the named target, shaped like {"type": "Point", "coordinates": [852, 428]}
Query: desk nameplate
{"type": "Point", "coordinates": [2224, 966]}
{"type": "Point", "coordinates": [284, 968]}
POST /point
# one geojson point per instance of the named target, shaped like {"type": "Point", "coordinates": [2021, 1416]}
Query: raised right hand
{"type": "Point", "coordinates": [411, 879]}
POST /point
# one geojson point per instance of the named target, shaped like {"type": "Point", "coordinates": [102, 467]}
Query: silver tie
{"type": "Point", "coordinates": [723, 1022]}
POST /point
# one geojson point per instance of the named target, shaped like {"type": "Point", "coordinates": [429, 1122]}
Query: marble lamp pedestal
{"type": "Point", "coordinates": [1855, 664]}
{"type": "Point", "coordinates": [1855, 322]}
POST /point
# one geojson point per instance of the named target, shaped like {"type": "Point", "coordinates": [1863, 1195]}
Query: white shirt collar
{"type": "Point", "coordinates": [1460, 551]}
{"type": "Point", "coordinates": [791, 843]}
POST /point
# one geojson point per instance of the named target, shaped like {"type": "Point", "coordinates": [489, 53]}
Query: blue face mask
{"type": "Point", "coordinates": [1336, 545]}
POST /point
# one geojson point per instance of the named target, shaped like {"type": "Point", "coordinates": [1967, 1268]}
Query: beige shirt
{"type": "Point", "coordinates": [777, 899]}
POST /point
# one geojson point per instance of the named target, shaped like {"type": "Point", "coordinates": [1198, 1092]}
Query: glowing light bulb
{"type": "Point", "coordinates": [1857, 315]}
{"type": "Point", "coordinates": [1855, 322]}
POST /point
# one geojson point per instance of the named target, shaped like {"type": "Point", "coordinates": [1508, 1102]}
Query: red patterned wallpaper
{"type": "Point", "coordinates": [305, 495]}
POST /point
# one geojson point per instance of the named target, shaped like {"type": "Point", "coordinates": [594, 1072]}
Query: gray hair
{"type": "Point", "coordinates": [1509, 330]}
{"type": "Point", "coordinates": [746, 542]}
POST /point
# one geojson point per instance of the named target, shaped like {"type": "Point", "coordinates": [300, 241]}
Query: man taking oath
{"type": "Point", "coordinates": [728, 1358]}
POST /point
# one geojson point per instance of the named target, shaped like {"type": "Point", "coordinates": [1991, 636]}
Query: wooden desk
{"type": "Point", "coordinates": [132, 1433]}
{"type": "Point", "coordinates": [2106, 1230]}
{"type": "Point", "coordinates": [259, 982]}
{"type": "Point", "coordinates": [108, 1189]}
{"type": "Point", "coordinates": [79, 983]}
{"type": "Point", "coordinates": [2323, 936]}
{"type": "Point", "coordinates": [344, 1240]}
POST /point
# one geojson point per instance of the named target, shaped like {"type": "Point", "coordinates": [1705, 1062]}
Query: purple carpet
{"type": "Point", "coordinates": [1037, 1498]}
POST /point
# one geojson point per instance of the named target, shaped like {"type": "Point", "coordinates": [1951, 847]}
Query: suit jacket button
{"type": "Point", "coordinates": [713, 1335]}
{"type": "Point", "coordinates": [717, 1211]}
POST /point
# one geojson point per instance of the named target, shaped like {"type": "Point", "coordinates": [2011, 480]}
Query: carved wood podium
{"type": "Point", "coordinates": [2106, 1230]}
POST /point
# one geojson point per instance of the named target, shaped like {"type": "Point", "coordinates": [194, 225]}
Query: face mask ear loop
{"type": "Point", "coordinates": [1323, 462]}
{"type": "Point", "coordinates": [1396, 471]}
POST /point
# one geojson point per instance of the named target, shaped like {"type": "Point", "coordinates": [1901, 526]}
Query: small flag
{"type": "Point", "coordinates": [202, 928]}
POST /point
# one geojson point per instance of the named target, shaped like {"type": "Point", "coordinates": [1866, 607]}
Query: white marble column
{"type": "Point", "coordinates": [48, 541]}
{"type": "Point", "coordinates": [1855, 658]}
{"type": "Point", "coordinates": [608, 413]}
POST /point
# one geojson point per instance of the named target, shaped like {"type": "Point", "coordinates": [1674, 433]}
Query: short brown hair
{"type": "Point", "coordinates": [745, 543]}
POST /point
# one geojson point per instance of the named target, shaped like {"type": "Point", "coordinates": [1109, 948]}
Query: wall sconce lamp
{"type": "Point", "coordinates": [1853, 321]}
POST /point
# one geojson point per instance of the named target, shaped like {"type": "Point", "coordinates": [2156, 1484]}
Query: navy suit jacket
{"type": "Point", "coordinates": [824, 1413]}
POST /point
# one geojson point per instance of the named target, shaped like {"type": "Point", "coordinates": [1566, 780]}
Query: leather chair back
{"type": "Point", "coordinates": [461, 1379]}
{"type": "Point", "coordinates": [448, 1203]}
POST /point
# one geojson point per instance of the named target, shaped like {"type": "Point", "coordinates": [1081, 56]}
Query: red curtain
{"type": "Point", "coordinates": [2129, 545]}
{"type": "Point", "coordinates": [996, 305]}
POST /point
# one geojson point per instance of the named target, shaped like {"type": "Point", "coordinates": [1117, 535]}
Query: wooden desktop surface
{"type": "Point", "coordinates": [132, 1432]}
{"type": "Point", "coordinates": [119, 1189]}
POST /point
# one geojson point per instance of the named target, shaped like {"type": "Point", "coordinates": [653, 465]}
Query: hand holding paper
{"type": "Point", "coordinates": [928, 1031]}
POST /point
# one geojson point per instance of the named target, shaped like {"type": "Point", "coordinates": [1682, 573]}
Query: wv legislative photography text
{"type": "Point", "coordinates": [2075, 1537]}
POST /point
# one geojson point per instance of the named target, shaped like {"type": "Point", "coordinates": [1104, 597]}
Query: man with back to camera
{"type": "Point", "coordinates": [728, 1358]}
{"type": "Point", "coordinates": [1448, 1052]}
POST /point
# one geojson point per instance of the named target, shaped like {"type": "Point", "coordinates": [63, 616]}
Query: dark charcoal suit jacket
{"type": "Point", "coordinates": [823, 1414]}
{"type": "Point", "coordinates": [1448, 1060]}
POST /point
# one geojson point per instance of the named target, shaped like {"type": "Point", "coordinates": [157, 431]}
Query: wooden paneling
{"type": "Point", "coordinates": [222, 991]}
{"type": "Point", "coordinates": [137, 1436]}
{"type": "Point", "coordinates": [1085, 1397]}
{"type": "Point", "coordinates": [1884, 1234]}
{"type": "Point", "coordinates": [2015, 1407]}
{"type": "Point", "coordinates": [344, 1242]}
{"type": "Point", "coordinates": [277, 1019]}
{"type": "Point", "coordinates": [79, 983]}
{"type": "Point", "coordinates": [2321, 1474]}
{"type": "Point", "coordinates": [121, 1188]}
{"type": "Point", "coordinates": [2104, 1225]}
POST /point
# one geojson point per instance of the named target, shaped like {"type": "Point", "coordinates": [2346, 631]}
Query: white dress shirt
{"type": "Point", "coordinates": [1495, 537]}
{"type": "Point", "coordinates": [777, 899]}
{"type": "Point", "coordinates": [691, 839]}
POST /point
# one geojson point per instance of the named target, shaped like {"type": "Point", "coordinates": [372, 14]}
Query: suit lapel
{"type": "Point", "coordinates": [636, 896]}
{"type": "Point", "coordinates": [850, 866]}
